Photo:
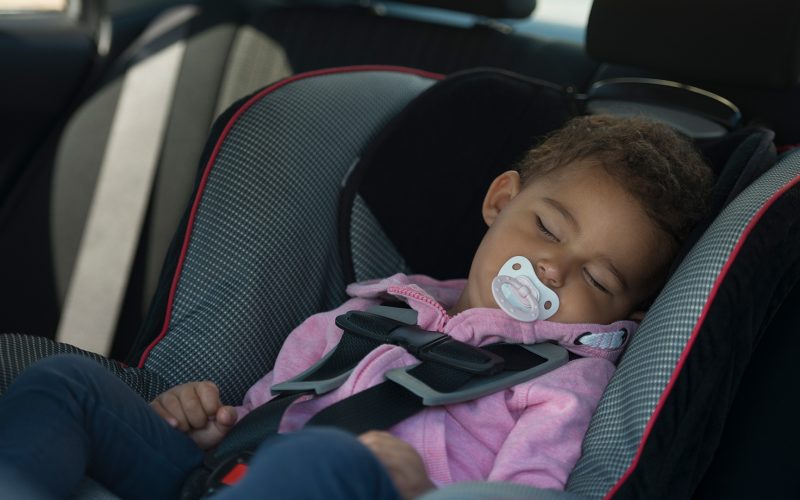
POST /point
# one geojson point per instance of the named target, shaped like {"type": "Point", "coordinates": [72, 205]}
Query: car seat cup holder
{"type": "Point", "coordinates": [520, 293]}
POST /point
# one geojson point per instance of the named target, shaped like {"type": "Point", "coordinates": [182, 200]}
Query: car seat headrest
{"type": "Point", "coordinates": [433, 163]}
{"type": "Point", "coordinates": [748, 43]}
{"type": "Point", "coordinates": [515, 9]}
{"type": "Point", "coordinates": [737, 160]}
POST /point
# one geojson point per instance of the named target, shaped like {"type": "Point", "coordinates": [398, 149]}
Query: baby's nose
{"type": "Point", "coordinates": [549, 273]}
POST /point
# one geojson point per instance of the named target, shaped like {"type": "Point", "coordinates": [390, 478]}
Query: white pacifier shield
{"type": "Point", "coordinates": [520, 294]}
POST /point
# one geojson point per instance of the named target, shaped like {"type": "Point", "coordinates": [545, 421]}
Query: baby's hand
{"type": "Point", "coordinates": [401, 460]}
{"type": "Point", "coordinates": [195, 408]}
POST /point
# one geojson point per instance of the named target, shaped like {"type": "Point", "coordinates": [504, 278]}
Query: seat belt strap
{"type": "Point", "coordinates": [113, 227]}
{"type": "Point", "coordinates": [254, 428]}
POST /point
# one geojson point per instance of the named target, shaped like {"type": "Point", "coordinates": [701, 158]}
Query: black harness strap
{"type": "Point", "coordinates": [254, 428]}
{"type": "Point", "coordinates": [264, 421]}
{"type": "Point", "coordinates": [386, 404]}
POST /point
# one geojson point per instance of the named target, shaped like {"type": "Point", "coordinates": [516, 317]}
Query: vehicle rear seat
{"type": "Point", "coordinates": [230, 52]}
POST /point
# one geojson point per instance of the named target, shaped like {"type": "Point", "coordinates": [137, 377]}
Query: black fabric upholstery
{"type": "Point", "coordinates": [748, 43]}
{"type": "Point", "coordinates": [676, 457]}
{"type": "Point", "coordinates": [757, 453]}
{"type": "Point", "coordinates": [737, 160]}
{"type": "Point", "coordinates": [433, 164]}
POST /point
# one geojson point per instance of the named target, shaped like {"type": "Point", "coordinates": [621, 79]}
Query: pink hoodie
{"type": "Point", "coordinates": [529, 434]}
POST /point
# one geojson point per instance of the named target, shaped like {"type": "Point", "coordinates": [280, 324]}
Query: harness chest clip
{"type": "Point", "coordinates": [425, 345]}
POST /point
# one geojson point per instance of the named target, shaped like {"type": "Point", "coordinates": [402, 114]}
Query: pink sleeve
{"type": "Point", "coordinates": [545, 444]}
{"type": "Point", "coordinates": [302, 348]}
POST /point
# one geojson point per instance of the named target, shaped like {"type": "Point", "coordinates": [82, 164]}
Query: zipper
{"type": "Point", "coordinates": [425, 299]}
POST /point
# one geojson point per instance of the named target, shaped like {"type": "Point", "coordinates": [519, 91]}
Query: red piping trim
{"type": "Point", "coordinates": [218, 146]}
{"type": "Point", "coordinates": [695, 331]}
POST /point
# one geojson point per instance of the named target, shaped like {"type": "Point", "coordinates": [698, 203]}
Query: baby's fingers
{"type": "Point", "coordinates": [217, 428]}
{"type": "Point", "coordinates": [208, 395]}
{"type": "Point", "coordinates": [169, 408]}
{"type": "Point", "coordinates": [225, 419]}
{"type": "Point", "coordinates": [192, 405]}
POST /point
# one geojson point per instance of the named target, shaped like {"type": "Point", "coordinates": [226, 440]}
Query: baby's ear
{"type": "Point", "coordinates": [502, 190]}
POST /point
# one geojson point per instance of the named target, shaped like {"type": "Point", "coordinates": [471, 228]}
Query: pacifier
{"type": "Point", "coordinates": [518, 291]}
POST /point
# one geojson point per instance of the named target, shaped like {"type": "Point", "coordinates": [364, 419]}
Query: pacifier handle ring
{"type": "Point", "coordinates": [526, 294]}
{"type": "Point", "coordinates": [533, 298]}
{"type": "Point", "coordinates": [528, 309]}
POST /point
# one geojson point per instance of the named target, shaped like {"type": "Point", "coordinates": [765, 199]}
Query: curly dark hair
{"type": "Point", "coordinates": [659, 167]}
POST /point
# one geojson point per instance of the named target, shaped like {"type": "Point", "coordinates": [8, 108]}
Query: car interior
{"type": "Point", "coordinates": [278, 141]}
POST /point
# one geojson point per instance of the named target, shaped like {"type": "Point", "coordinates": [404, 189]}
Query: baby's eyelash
{"type": "Point", "coordinates": [595, 283]}
{"type": "Point", "coordinates": [547, 233]}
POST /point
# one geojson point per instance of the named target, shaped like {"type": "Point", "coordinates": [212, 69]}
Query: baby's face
{"type": "Point", "coordinates": [588, 239]}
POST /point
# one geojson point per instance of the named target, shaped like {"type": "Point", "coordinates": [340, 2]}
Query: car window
{"type": "Point", "coordinates": [24, 6]}
{"type": "Point", "coordinates": [558, 19]}
{"type": "Point", "coordinates": [568, 12]}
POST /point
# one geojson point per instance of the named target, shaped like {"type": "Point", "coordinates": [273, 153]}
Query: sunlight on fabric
{"type": "Point", "coordinates": [33, 5]}
{"type": "Point", "coordinates": [567, 12]}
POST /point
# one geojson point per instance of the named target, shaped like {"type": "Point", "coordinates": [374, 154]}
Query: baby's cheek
{"type": "Point", "coordinates": [576, 306]}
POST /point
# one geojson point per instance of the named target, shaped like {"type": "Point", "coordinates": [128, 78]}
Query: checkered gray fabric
{"type": "Point", "coordinates": [263, 253]}
{"type": "Point", "coordinates": [495, 491]}
{"type": "Point", "coordinates": [17, 352]}
{"type": "Point", "coordinates": [631, 397]}
{"type": "Point", "coordinates": [374, 256]}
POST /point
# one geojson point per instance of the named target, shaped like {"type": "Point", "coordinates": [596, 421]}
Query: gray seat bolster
{"type": "Point", "coordinates": [496, 491]}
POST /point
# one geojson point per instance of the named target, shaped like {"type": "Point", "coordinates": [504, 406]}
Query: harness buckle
{"type": "Point", "coordinates": [228, 473]}
{"type": "Point", "coordinates": [425, 345]}
{"type": "Point", "coordinates": [214, 475]}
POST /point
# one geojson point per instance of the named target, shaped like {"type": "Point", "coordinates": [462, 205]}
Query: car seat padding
{"type": "Point", "coordinates": [643, 438]}
{"type": "Point", "coordinates": [737, 159]}
{"type": "Point", "coordinates": [425, 176]}
{"type": "Point", "coordinates": [280, 190]}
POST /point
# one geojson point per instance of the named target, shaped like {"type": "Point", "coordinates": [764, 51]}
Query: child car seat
{"type": "Point", "coordinates": [257, 252]}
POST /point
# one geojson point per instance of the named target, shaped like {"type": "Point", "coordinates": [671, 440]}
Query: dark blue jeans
{"type": "Point", "coordinates": [67, 416]}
